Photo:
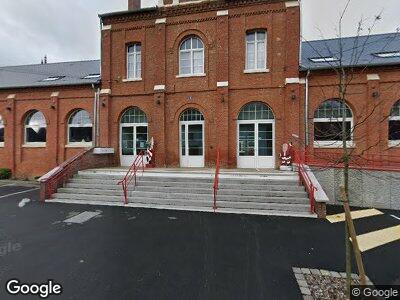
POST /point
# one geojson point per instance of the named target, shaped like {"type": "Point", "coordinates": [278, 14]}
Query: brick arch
{"type": "Point", "coordinates": [237, 110]}
{"type": "Point", "coordinates": [187, 106]}
{"type": "Point", "coordinates": [349, 105]}
{"type": "Point", "coordinates": [125, 109]}
{"type": "Point", "coordinates": [28, 112]}
{"type": "Point", "coordinates": [70, 112]}
{"type": "Point", "coordinates": [188, 33]}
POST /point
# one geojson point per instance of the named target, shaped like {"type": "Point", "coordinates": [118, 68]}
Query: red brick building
{"type": "Point", "coordinates": [195, 77]}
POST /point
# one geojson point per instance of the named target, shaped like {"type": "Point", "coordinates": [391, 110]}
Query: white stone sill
{"type": "Point", "coordinates": [2, 145]}
{"type": "Point", "coordinates": [333, 145]}
{"type": "Point", "coordinates": [255, 71]}
{"type": "Point", "coordinates": [131, 79]}
{"type": "Point", "coordinates": [79, 145]}
{"type": "Point", "coordinates": [394, 144]}
{"type": "Point", "coordinates": [190, 75]}
{"type": "Point", "coordinates": [34, 145]}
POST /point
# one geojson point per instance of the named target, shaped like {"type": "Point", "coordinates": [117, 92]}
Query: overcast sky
{"type": "Point", "coordinates": [69, 29]}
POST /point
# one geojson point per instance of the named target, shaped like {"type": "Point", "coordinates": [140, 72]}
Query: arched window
{"type": "Point", "coordinates": [134, 61]}
{"type": "Point", "coordinates": [134, 115]}
{"type": "Point", "coordinates": [191, 115]}
{"type": "Point", "coordinates": [134, 134]}
{"type": "Point", "coordinates": [80, 128]}
{"type": "Point", "coordinates": [1, 131]}
{"type": "Point", "coordinates": [256, 111]}
{"type": "Point", "coordinates": [394, 125]}
{"type": "Point", "coordinates": [191, 57]}
{"type": "Point", "coordinates": [328, 123]}
{"type": "Point", "coordinates": [256, 50]}
{"type": "Point", "coordinates": [35, 129]}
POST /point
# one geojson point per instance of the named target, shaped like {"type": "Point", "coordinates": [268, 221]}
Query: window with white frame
{"type": "Point", "coordinates": [1, 132]}
{"type": "Point", "coordinates": [256, 50]}
{"type": "Point", "coordinates": [328, 124]}
{"type": "Point", "coordinates": [80, 128]}
{"type": "Point", "coordinates": [134, 61]}
{"type": "Point", "coordinates": [35, 129]}
{"type": "Point", "coordinates": [394, 125]}
{"type": "Point", "coordinates": [191, 57]}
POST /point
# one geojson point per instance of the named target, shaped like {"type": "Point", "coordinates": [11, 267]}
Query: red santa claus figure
{"type": "Point", "coordinates": [286, 157]}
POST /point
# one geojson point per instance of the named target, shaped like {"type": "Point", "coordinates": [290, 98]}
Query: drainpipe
{"type": "Point", "coordinates": [307, 139]}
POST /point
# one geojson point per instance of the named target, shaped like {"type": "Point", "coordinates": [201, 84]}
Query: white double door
{"type": "Point", "coordinates": [133, 139]}
{"type": "Point", "coordinates": [191, 144]}
{"type": "Point", "coordinates": [256, 144]}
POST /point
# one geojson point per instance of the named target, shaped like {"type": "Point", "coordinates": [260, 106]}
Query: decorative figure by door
{"type": "Point", "coordinates": [286, 157]}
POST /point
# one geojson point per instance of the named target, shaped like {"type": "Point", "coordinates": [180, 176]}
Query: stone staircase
{"type": "Point", "coordinates": [271, 193]}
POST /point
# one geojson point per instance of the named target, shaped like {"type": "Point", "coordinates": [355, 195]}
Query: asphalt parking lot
{"type": "Point", "coordinates": [126, 253]}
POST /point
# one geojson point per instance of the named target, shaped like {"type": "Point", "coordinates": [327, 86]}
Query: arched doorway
{"type": "Point", "coordinates": [256, 136]}
{"type": "Point", "coordinates": [133, 135]}
{"type": "Point", "coordinates": [191, 132]}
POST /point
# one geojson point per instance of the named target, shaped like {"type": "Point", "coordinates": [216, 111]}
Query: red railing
{"type": "Point", "coordinates": [131, 174]}
{"type": "Point", "coordinates": [216, 179]}
{"type": "Point", "coordinates": [305, 179]}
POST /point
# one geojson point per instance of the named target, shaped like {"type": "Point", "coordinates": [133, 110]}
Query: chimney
{"type": "Point", "coordinates": [133, 4]}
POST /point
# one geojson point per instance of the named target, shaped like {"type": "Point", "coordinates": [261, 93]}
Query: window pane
{"type": "Point", "coordinates": [127, 141]}
{"type": "Point", "coordinates": [80, 134]}
{"type": "Point", "coordinates": [396, 110]}
{"type": "Point", "coordinates": [246, 139]}
{"type": "Point", "coordinates": [183, 140]}
{"type": "Point", "coordinates": [332, 109]}
{"type": "Point", "coordinates": [36, 119]}
{"type": "Point", "coordinates": [192, 115]}
{"type": "Point", "coordinates": [80, 117]}
{"type": "Point", "coordinates": [256, 111]}
{"type": "Point", "coordinates": [1, 134]}
{"type": "Point", "coordinates": [331, 131]}
{"type": "Point", "coordinates": [36, 135]}
{"type": "Point", "coordinates": [260, 35]}
{"type": "Point", "coordinates": [251, 56]}
{"type": "Point", "coordinates": [251, 37]}
{"type": "Point", "coordinates": [141, 138]}
{"type": "Point", "coordinates": [134, 115]}
{"type": "Point", "coordinates": [265, 140]}
{"type": "Point", "coordinates": [260, 55]}
{"type": "Point", "coordinates": [195, 139]}
{"type": "Point", "coordinates": [394, 130]}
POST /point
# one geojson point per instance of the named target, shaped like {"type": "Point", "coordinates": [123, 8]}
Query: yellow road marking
{"type": "Point", "coordinates": [378, 238]}
{"type": "Point", "coordinates": [355, 215]}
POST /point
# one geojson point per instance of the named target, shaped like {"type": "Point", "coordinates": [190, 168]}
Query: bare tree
{"type": "Point", "coordinates": [346, 60]}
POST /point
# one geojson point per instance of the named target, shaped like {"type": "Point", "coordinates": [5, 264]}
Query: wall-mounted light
{"type": "Point", "coordinates": [9, 108]}
{"type": "Point", "coordinates": [103, 102]}
{"type": "Point", "coordinates": [222, 98]}
{"type": "Point", "coordinates": [293, 97]}
{"type": "Point", "coordinates": [375, 94]}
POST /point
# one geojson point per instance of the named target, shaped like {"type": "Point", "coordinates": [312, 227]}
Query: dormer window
{"type": "Point", "coordinates": [388, 54]}
{"type": "Point", "coordinates": [324, 59]}
{"type": "Point", "coordinates": [53, 78]}
{"type": "Point", "coordinates": [91, 76]}
{"type": "Point", "coordinates": [134, 62]}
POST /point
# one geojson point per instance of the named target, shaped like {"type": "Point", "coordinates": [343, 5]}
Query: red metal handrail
{"type": "Point", "coordinates": [131, 174]}
{"type": "Point", "coordinates": [216, 179]}
{"type": "Point", "coordinates": [57, 177]}
{"type": "Point", "coordinates": [305, 179]}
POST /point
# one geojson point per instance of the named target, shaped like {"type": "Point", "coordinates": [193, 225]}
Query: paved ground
{"type": "Point", "coordinates": [150, 254]}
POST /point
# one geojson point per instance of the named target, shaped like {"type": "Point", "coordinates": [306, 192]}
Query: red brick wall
{"type": "Point", "coordinates": [224, 40]}
{"type": "Point", "coordinates": [30, 162]}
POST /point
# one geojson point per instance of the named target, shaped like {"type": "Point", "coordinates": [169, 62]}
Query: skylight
{"type": "Point", "coordinates": [324, 59]}
{"type": "Point", "coordinates": [53, 78]}
{"type": "Point", "coordinates": [92, 76]}
{"type": "Point", "coordinates": [388, 54]}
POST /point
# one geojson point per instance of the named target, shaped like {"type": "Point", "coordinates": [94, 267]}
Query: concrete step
{"type": "Point", "coordinates": [231, 179]}
{"type": "Point", "coordinates": [117, 190]}
{"type": "Point", "coordinates": [186, 202]}
{"type": "Point", "coordinates": [137, 195]}
{"type": "Point", "coordinates": [189, 208]}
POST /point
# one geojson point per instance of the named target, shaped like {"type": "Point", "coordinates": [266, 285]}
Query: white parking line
{"type": "Point", "coordinates": [9, 184]}
{"type": "Point", "coordinates": [17, 193]}
{"type": "Point", "coordinates": [396, 217]}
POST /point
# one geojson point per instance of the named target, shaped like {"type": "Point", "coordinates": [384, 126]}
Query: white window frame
{"type": "Point", "coordinates": [256, 69]}
{"type": "Point", "coordinates": [78, 144]}
{"type": "Point", "coordinates": [191, 52]}
{"type": "Point", "coordinates": [2, 127]}
{"type": "Point", "coordinates": [26, 126]}
{"type": "Point", "coordinates": [334, 144]}
{"type": "Point", "coordinates": [134, 56]}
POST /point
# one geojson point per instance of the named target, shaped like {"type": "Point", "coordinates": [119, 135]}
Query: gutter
{"type": "Point", "coordinates": [306, 108]}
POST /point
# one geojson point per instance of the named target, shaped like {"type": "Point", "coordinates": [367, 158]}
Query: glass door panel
{"type": "Point", "coordinates": [246, 140]}
{"type": "Point", "coordinates": [195, 140]}
{"type": "Point", "coordinates": [265, 137]}
{"type": "Point", "coordinates": [141, 139]}
{"type": "Point", "coordinates": [127, 140]}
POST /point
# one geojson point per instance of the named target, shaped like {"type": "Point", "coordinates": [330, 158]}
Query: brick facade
{"type": "Point", "coordinates": [222, 27]}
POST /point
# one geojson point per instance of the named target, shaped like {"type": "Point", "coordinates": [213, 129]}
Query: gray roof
{"type": "Point", "coordinates": [71, 73]}
{"type": "Point", "coordinates": [357, 51]}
